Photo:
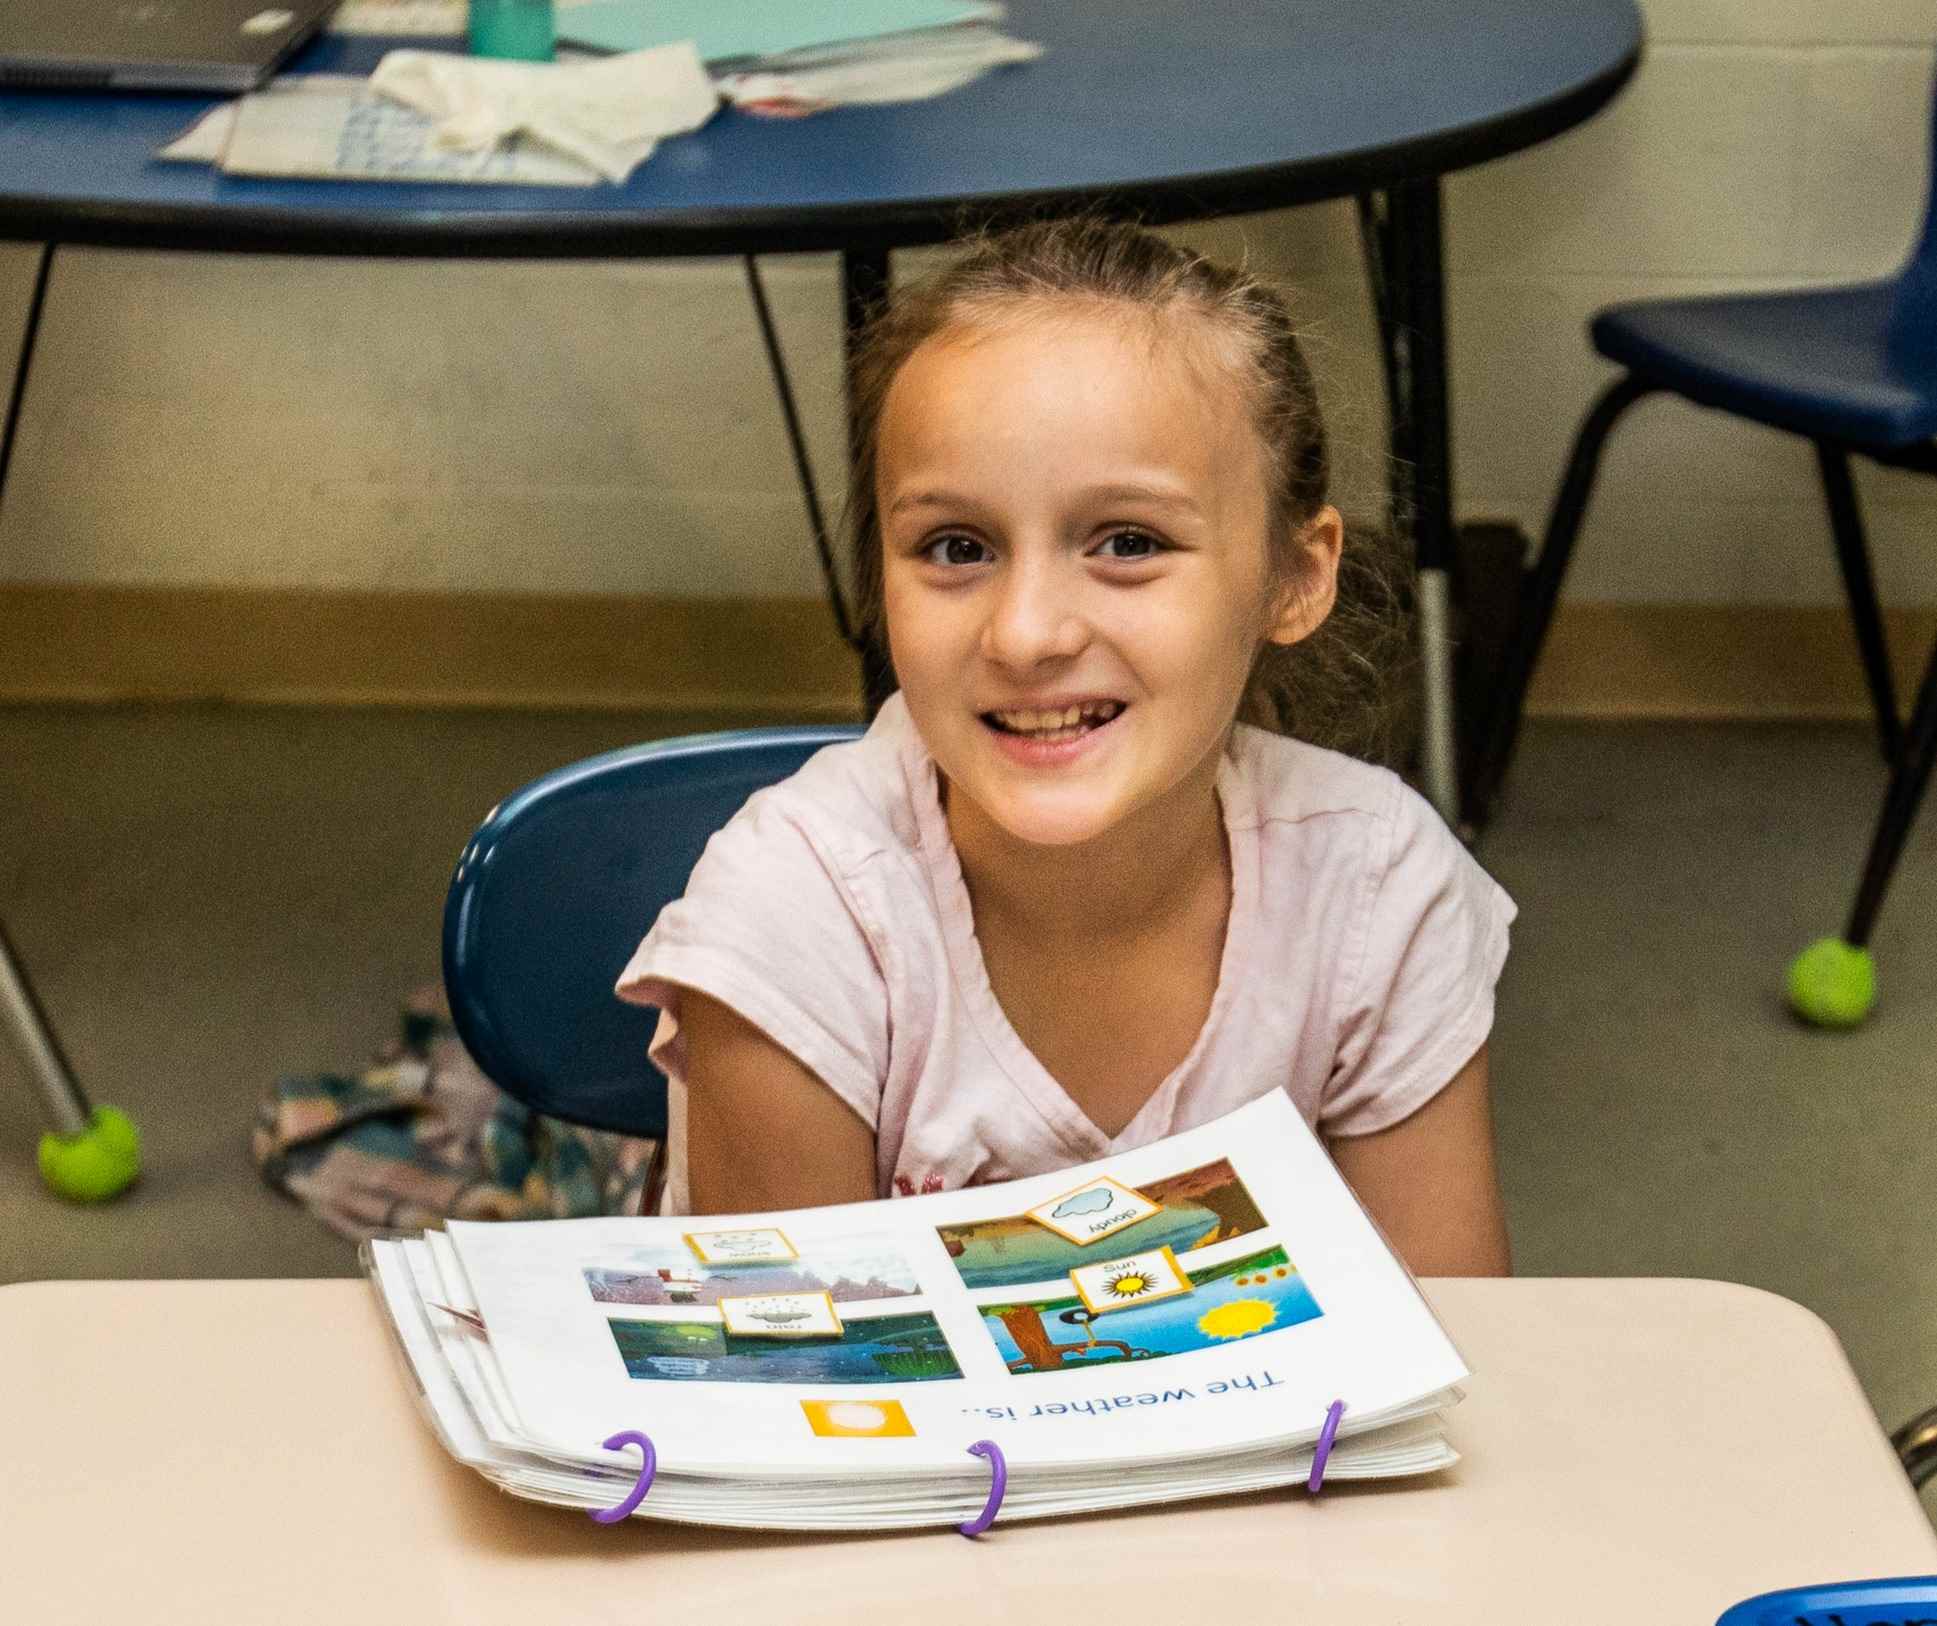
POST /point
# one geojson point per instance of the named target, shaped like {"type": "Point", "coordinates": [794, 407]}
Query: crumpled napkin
{"type": "Point", "coordinates": [608, 114]}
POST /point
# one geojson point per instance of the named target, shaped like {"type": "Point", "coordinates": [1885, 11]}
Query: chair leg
{"type": "Point", "coordinates": [1909, 778]}
{"type": "Point", "coordinates": [1853, 554]}
{"type": "Point", "coordinates": [1542, 593]}
{"type": "Point", "coordinates": [23, 1022]}
{"type": "Point", "coordinates": [1916, 1446]}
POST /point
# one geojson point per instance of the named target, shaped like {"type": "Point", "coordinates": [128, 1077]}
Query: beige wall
{"type": "Point", "coordinates": [416, 426]}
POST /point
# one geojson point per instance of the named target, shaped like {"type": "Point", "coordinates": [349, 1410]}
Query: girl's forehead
{"type": "Point", "coordinates": [1061, 405]}
{"type": "Point", "coordinates": [1173, 350]}
{"type": "Point", "coordinates": [1164, 334]}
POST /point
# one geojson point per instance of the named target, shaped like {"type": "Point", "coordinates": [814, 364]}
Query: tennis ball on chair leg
{"type": "Point", "coordinates": [98, 1163]}
{"type": "Point", "coordinates": [1832, 983]}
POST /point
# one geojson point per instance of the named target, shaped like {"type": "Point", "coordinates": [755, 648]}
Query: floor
{"type": "Point", "coordinates": [210, 897]}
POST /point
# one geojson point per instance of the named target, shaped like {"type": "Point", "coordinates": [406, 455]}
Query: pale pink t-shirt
{"type": "Point", "coordinates": [1359, 961]}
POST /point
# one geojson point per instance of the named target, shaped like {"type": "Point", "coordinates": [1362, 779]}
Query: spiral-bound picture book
{"type": "Point", "coordinates": [1175, 1321]}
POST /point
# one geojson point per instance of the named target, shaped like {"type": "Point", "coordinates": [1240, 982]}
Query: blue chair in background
{"type": "Point", "coordinates": [1852, 369]}
{"type": "Point", "coordinates": [552, 895]}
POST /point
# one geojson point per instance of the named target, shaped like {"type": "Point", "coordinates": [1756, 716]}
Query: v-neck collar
{"type": "Point", "coordinates": [1033, 1081]}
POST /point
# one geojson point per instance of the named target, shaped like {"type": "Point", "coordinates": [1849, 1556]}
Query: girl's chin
{"type": "Point", "coordinates": [1051, 826]}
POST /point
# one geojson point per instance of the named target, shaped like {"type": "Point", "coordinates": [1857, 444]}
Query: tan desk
{"type": "Point", "coordinates": [1641, 1452]}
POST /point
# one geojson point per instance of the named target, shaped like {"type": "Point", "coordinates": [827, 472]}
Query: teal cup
{"type": "Point", "coordinates": [520, 30]}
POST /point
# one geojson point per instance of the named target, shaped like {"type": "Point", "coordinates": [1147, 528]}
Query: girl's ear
{"type": "Point", "coordinates": [1305, 601]}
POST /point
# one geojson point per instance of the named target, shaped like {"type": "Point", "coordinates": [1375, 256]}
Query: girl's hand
{"type": "Point", "coordinates": [1430, 1183]}
{"type": "Point", "coordinates": [762, 1132]}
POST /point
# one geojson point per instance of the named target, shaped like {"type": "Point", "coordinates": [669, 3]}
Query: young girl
{"type": "Point", "coordinates": [1059, 901]}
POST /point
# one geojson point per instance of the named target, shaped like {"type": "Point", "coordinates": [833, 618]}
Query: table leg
{"type": "Point", "coordinates": [1415, 306]}
{"type": "Point", "coordinates": [864, 282]}
{"type": "Point", "coordinates": [26, 1026]}
{"type": "Point", "coordinates": [803, 465]}
{"type": "Point", "coordinates": [21, 1017]}
{"type": "Point", "coordinates": [24, 363]}
{"type": "Point", "coordinates": [864, 285]}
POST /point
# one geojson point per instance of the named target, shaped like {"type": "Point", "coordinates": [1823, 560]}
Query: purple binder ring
{"type": "Point", "coordinates": [1323, 1450]}
{"type": "Point", "coordinates": [998, 1484]}
{"type": "Point", "coordinates": [648, 1466]}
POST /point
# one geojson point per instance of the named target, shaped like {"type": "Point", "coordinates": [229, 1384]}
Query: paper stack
{"type": "Point", "coordinates": [782, 56]}
{"type": "Point", "coordinates": [1174, 1322]}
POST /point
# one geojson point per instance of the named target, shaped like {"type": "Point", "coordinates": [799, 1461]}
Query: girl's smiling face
{"type": "Point", "coordinates": [1076, 565]}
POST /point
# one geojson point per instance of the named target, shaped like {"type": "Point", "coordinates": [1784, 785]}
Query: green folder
{"type": "Point", "coordinates": [725, 29]}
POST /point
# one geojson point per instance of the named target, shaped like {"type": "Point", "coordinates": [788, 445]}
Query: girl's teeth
{"type": "Point", "coordinates": [1057, 723]}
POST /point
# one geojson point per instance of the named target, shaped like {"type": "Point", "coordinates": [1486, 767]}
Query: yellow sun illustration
{"type": "Point", "coordinates": [1236, 1319]}
{"type": "Point", "coordinates": [1131, 1284]}
{"type": "Point", "coordinates": [839, 1419]}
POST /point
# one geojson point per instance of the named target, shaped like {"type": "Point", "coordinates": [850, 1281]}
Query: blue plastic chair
{"type": "Point", "coordinates": [1852, 369]}
{"type": "Point", "coordinates": [552, 895]}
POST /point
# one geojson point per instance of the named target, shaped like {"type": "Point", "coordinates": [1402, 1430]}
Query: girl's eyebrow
{"type": "Point", "coordinates": [929, 499]}
{"type": "Point", "coordinates": [1156, 496]}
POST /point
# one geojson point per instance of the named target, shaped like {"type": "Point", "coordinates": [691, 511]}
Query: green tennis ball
{"type": "Point", "coordinates": [1832, 984]}
{"type": "Point", "coordinates": [99, 1163]}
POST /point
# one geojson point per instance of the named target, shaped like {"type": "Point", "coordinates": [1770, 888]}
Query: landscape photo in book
{"type": "Point", "coordinates": [907, 1348]}
{"type": "Point", "coordinates": [848, 1269]}
{"type": "Point", "coordinates": [1258, 1293]}
{"type": "Point", "coordinates": [1195, 1209]}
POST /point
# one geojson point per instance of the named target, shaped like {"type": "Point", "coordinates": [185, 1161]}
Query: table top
{"type": "Point", "coordinates": [1176, 108]}
{"type": "Point", "coordinates": [1653, 1450]}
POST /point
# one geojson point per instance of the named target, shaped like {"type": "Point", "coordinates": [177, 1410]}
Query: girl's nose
{"type": "Point", "coordinates": [1035, 615]}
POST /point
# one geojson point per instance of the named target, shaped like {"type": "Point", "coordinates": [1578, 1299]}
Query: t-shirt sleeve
{"type": "Point", "coordinates": [769, 927]}
{"type": "Point", "coordinates": [1420, 1001]}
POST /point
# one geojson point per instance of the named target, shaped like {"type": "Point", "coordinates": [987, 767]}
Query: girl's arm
{"type": "Point", "coordinates": [1430, 1181]}
{"type": "Point", "coordinates": [761, 1130]}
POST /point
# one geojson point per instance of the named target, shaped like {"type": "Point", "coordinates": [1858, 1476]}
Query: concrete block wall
{"type": "Point", "coordinates": [1764, 143]}
{"type": "Point", "coordinates": [611, 428]}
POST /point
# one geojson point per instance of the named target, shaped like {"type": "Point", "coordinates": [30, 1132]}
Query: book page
{"type": "Point", "coordinates": [1214, 1291]}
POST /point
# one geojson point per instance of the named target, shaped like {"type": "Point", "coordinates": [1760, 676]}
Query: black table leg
{"type": "Point", "coordinates": [864, 285]}
{"type": "Point", "coordinates": [803, 465]}
{"type": "Point", "coordinates": [1414, 312]}
{"type": "Point", "coordinates": [36, 303]}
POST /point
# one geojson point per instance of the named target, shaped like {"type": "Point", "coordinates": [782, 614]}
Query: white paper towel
{"type": "Point", "coordinates": [609, 114]}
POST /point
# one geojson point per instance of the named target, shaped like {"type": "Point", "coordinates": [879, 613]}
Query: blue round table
{"type": "Point", "coordinates": [1176, 108]}
{"type": "Point", "coordinates": [1169, 109]}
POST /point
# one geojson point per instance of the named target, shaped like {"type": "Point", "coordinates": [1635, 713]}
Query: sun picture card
{"type": "Point", "coordinates": [781, 1315]}
{"type": "Point", "coordinates": [858, 1419]}
{"type": "Point", "coordinates": [747, 1245]}
{"type": "Point", "coordinates": [1121, 1284]}
{"type": "Point", "coordinates": [1094, 1210]}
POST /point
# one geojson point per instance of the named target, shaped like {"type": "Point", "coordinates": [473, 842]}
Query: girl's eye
{"type": "Point", "coordinates": [1130, 545]}
{"type": "Point", "coordinates": [956, 549]}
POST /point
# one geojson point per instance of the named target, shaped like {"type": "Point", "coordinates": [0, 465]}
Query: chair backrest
{"type": "Point", "coordinates": [1913, 316]}
{"type": "Point", "coordinates": [552, 895]}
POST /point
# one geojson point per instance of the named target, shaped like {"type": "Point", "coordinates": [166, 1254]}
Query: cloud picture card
{"type": "Point", "coordinates": [1094, 1210]}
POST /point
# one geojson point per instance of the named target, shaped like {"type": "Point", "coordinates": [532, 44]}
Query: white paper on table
{"type": "Point", "coordinates": [334, 126]}
{"type": "Point", "coordinates": [907, 68]}
{"type": "Point", "coordinates": [410, 18]}
{"type": "Point", "coordinates": [399, 18]}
